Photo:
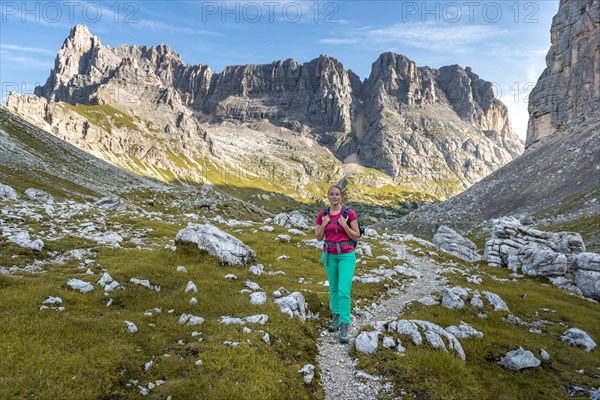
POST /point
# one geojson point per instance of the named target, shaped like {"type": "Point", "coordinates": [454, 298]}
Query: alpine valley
{"type": "Point", "coordinates": [157, 228]}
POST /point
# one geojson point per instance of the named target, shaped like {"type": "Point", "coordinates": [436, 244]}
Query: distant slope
{"type": "Point", "coordinates": [560, 175]}
{"type": "Point", "coordinates": [32, 157]}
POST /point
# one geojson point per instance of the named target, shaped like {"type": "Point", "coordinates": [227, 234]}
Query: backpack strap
{"type": "Point", "coordinates": [345, 212]}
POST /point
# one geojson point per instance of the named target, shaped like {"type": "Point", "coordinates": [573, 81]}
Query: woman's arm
{"type": "Point", "coordinates": [320, 232]}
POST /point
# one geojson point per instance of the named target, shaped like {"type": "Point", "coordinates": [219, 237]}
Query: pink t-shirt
{"type": "Point", "coordinates": [340, 236]}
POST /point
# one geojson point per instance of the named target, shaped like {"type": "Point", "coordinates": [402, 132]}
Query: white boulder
{"type": "Point", "coordinates": [217, 242]}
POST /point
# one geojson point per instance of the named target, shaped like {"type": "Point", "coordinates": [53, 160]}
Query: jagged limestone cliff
{"type": "Point", "coordinates": [567, 93]}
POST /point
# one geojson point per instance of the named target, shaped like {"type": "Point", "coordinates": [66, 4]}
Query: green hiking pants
{"type": "Point", "coordinates": [340, 270]}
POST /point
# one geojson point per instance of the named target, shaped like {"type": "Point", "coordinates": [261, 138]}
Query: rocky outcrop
{"type": "Point", "coordinates": [437, 131]}
{"type": "Point", "coordinates": [559, 256]}
{"type": "Point", "coordinates": [453, 243]}
{"type": "Point", "coordinates": [568, 91]}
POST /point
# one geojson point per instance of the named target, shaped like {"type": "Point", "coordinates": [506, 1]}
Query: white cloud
{"type": "Point", "coordinates": [25, 62]}
{"type": "Point", "coordinates": [423, 35]}
{"type": "Point", "coordinates": [162, 27]}
{"type": "Point", "coordinates": [23, 49]}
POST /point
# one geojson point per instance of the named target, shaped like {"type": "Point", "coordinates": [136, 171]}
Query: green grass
{"type": "Point", "coordinates": [87, 352]}
{"type": "Point", "coordinates": [105, 116]}
{"type": "Point", "coordinates": [60, 189]}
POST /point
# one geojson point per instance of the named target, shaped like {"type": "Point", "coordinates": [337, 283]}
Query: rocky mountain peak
{"type": "Point", "coordinates": [81, 40]}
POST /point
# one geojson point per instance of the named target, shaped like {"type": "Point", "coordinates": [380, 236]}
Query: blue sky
{"type": "Point", "coordinates": [504, 42]}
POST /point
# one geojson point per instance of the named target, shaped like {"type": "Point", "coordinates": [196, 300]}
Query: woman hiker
{"type": "Point", "coordinates": [338, 257]}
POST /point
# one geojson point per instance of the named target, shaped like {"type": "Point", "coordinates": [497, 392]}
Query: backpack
{"type": "Point", "coordinates": [361, 230]}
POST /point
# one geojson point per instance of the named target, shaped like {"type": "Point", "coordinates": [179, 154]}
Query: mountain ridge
{"type": "Point", "coordinates": [433, 131]}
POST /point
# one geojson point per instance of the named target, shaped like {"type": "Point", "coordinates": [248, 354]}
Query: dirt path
{"type": "Point", "coordinates": [338, 373]}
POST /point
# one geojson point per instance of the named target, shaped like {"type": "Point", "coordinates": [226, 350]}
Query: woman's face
{"type": "Point", "coordinates": [334, 196]}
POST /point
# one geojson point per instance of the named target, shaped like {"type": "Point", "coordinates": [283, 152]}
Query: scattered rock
{"type": "Point", "coordinates": [308, 371]}
{"type": "Point", "coordinates": [296, 232]}
{"type": "Point", "coordinates": [108, 283]}
{"type": "Point", "coordinates": [577, 337]}
{"type": "Point", "coordinates": [181, 268]}
{"type": "Point", "coordinates": [496, 301]}
{"type": "Point", "coordinates": [7, 193]}
{"type": "Point", "coordinates": [451, 300]}
{"type": "Point", "coordinates": [405, 327]}
{"type": "Point", "coordinates": [188, 319]}
{"type": "Point", "coordinates": [266, 338]}
{"type": "Point", "coordinates": [39, 195]}
{"type": "Point", "coordinates": [131, 326]}
{"type": "Point", "coordinates": [464, 331]}
{"type": "Point", "coordinates": [388, 342]}
{"type": "Point", "coordinates": [475, 279]}
{"type": "Point", "coordinates": [435, 340]}
{"type": "Point", "coordinates": [363, 375]}
{"type": "Point", "coordinates": [293, 305]}
{"type": "Point", "coordinates": [428, 301]}
{"type": "Point", "coordinates": [257, 269]}
{"type": "Point", "coordinates": [404, 270]}
{"type": "Point", "coordinates": [112, 203]}
{"type": "Point", "coordinates": [191, 287]}
{"type": "Point", "coordinates": [52, 303]}
{"type": "Point", "coordinates": [252, 286]}
{"type": "Point", "coordinates": [253, 319]}
{"type": "Point", "coordinates": [519, 359]}
{"type": "Point", "coordinates": [258, 298]}
{"type": "Point", "coordinates": [145, 283]}
{"type": "Point", "coordinates": [291, 220]}
{"type": "Point", "coordinates": [284, 238]}
{"type": "Point", "coordinates": [23, 240]}
{"type": "Point", "coordinates": [80, 285]}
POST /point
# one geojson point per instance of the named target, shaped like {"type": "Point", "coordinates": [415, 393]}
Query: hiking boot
{"type": "Point", "coordinates": [343, 336]}
{"type": "Point", "coordinates": [335, 323]}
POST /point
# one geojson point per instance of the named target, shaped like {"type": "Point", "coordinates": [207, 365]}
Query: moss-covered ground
{"type": "Point", "coordinates": [87, 352]}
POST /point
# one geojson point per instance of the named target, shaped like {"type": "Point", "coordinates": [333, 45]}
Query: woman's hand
{"type": "Point", "coordinates": [320, 232]}
{"type": "Point", "coordinates": [343, 221]}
